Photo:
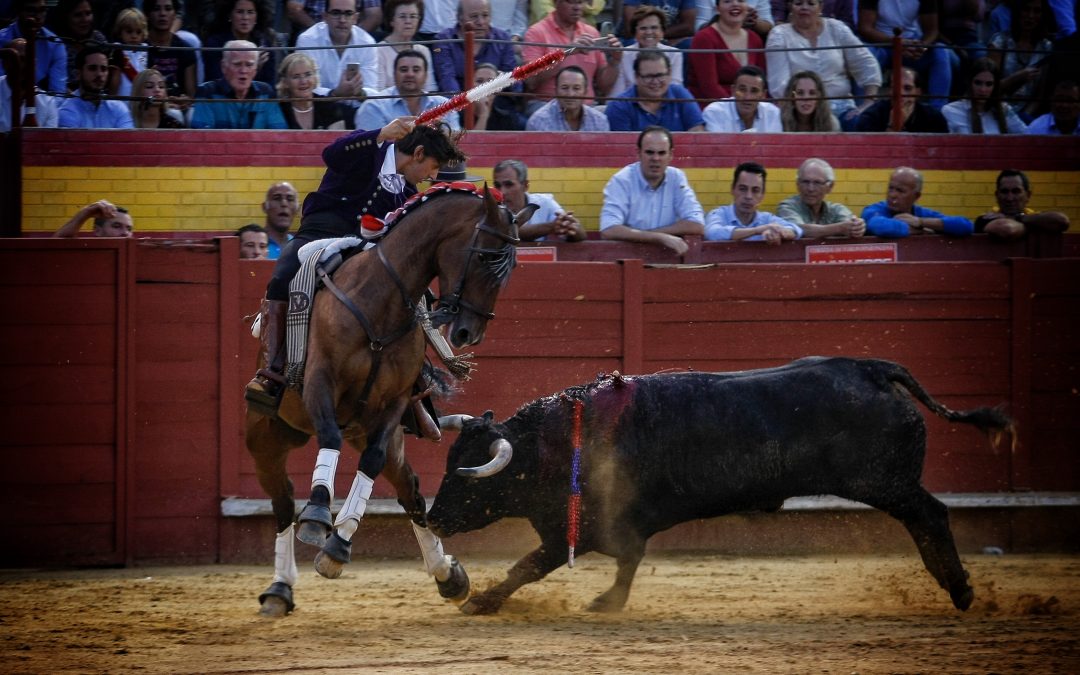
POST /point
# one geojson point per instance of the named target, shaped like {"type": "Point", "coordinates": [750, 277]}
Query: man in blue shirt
{"type": "Point", "coordinates": [252, 109]}
{"type": "Point", "coordinates": [657, 105]}
{"type": "Point", "coordinates": [741, 220]}
{"type": "Point", "coordinates": [650, 201]}
{"type": "Point", "coordinates": [449, 57]}
{"type": "Point", "coordinates": [406, 98]}
{"type": "Point", "coordinates": [88, 110]}
{"type": "Point", "coordinates": [50, 58]}
{"type": "Point", "coordinates": [280, 206]}
{"type": "Point", "coordinates": [1064, 116]}
{"type": "Point", "coordinates": [898, 215]}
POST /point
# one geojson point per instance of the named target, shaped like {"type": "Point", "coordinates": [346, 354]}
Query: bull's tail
{"type": "Point", "coordinates": [991, 421]}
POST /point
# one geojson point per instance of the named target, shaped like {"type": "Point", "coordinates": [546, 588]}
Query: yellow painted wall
{"type": "Point", "coordinates": [216, 199]}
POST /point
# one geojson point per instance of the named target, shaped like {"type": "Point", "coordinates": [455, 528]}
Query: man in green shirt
{"type": "Point", "coordinates": [809, 210]}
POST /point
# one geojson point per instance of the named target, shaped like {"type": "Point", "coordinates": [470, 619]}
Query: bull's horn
{"type": "Point", "coordinates": [453, 422]}
{"type": "Point", "coordinates": [501, 452]}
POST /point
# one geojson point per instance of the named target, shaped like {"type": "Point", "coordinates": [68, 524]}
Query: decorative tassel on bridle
{"type": "Point", "coordinates": [573, 507]}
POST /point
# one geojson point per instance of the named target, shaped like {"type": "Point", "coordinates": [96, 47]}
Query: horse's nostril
{"type": "Point", "coordinates": [461, 337]}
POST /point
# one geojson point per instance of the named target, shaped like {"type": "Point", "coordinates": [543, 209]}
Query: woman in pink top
{"type": "Point", "coordinates": [711, 74]}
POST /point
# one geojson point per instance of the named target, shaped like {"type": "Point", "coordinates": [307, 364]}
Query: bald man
{"type": "Point", "coordinates": [899, 216]}
{"type": "Point", "coordinates": [280, 206]}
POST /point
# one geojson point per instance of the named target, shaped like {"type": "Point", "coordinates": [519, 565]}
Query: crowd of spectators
{"type": "Point", "coordinates": [981, 66]}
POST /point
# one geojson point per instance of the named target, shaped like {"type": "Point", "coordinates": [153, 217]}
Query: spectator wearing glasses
{"type": "Point", "coordinates": [50, 57]}
{"type": "Point", "coordinates": [740, 220]}
{"type": "Point", "coordinates": [339, 31]}
{"type": "Point", "coordinates": [550, 222]}
{"type": "Point", "coordinates": [650, 201]}
{"type": "Point", "coordinates": [657, 100]}
{"type": "Point", "coordinates": [567, 111]}
{"type": "Point", "coordinates": [810, 210]}
{"type": "Point", "coordinates": [919, 117]}
{"type": "Point", "coordinates": [303, 14]}
{"type": "Point", "coordinates": [403, 18]}
{"type": "Point", "coordinates": [647, 25]}
{"type": "Point", "coordinates": [747, 110]}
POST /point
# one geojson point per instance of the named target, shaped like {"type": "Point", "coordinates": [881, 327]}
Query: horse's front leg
{"type": "Point", "coordinates": [450, 576]}
{"type": "Point", "coordinates": [337, 549]}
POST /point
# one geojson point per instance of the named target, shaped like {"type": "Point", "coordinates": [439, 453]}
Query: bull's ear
{"type": "Point", "coordinates": [489, 415]}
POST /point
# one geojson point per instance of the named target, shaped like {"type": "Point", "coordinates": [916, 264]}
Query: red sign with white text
{"type": "Point", "coordinates": [851, 254]}
{"type": "Point", "coordinates": [536, 254]}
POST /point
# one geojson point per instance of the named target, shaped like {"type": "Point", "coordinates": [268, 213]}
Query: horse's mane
{"type": "Point", "coordinates": [435, 191]}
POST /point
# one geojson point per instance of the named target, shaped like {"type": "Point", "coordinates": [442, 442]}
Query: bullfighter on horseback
{"type": "Point", "coordinates": [367, 173]}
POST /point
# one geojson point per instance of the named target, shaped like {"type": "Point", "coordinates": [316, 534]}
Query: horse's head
{"type": "Point", "coordinates": [471, 276]}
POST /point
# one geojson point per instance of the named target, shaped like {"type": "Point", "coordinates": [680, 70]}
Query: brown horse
{"type": "Point", "coordinates": [365, 352]}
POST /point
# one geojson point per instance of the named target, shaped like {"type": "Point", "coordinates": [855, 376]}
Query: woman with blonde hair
{"type": "Point", "coordinates": [804, 107]}
{"type": "Point", "coordinates": [152, 109]}
{"type": "Point", "coordinates": [298, 78]}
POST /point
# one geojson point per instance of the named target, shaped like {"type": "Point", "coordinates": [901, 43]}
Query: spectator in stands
{"type": "Point", "coordinates": [918, 117]}
{"type": "Point", "coordinates": [50, 58]}
{"type": "Point", "coordinates": [87, 109]}
{"type": "Point", "coordinates": [812, 39]}
{"type": "Point", "coordinates": [280, 206]}
{"type": "Point", "coordinates": [759, 15]}
{"type": "Point", "coordinates": [178, 64]}
{"type": "Point", "coordinates": [109, 221]}
{"type": "Point", "coordinates": [550, 222]}
{"type": "Point", "coordinates": [404, 17]}
{"type": "Point", "coordinates": [73, 20]}
{"type": "Point", "coordinates": [130, 29]}
{"type": "Point", "coordinates": [747, 110]}
{"type": "Point", "coordinates": [45, 113]}
{"type": "Point", "coordinates": [651, 201]}
{"type": "Point", "coordinates": [919, 23]}
{"type": "Point", "coordinates": [511, 16]}
{"type": "Point", "coordinates": [678, 18]}
{"type": "Point", "coordinates": [711, 75]}
{"type": "Point", "coordinates": [408, 96]}
{"type": "Point", "coordinates": [982, 111]}
{"type": "Point", "coordinates": [298, 79]}
{"type": "Point", "coordinates": [1020, 52]}
{"type": "Point", "coordinates": [250, 20]}
{"type": "Point", "coordinates": [658, 100]}
{"type": "Point", "coordinates": [567, 111]}
{"type": "Point", "coordinates": [303, 14]}
{"type": "Point", "coordinates": [339, 30]}
{"type": "Point", "coordinates": [959, 22]}
{"type": "Point", "coordinates": [740, 220]}
{"type": "Point", "coordinates": [841, 10]}
{"type": "Point", "coordinates": [438, 16]}
{"type": "Point", "coordinates": [449, 56]}
{"type": "Point", "coordinates": [254, 242]}
{"type": "Point", "coordinates": [647, 25]}
{"type": "Point", "coordinates": [497, 112]}
{"type": "Point", "coordinates": [563, 26]}
{"type": "Point", "coordinates": [153, 110]}
{"type": "Point", "coordinates": [590, 10]}
{"type": "Point", "coordinates": [899, 216]}
{"type": "Point", "coordinates": [804, 108]}
{"type": "Point", "coordinates": [1011, 218]}
{"type": "Point", "coordinates": [252, 109]}
{"type": "Point", "coordinates": [1064, 110]}
{"type": "Point", "coordinates": [809, 209]}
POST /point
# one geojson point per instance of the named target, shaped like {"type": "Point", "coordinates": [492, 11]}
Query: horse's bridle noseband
{"type": "Point", "coordinates": [497, 263]}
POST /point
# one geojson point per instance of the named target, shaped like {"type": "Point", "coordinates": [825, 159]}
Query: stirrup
{"type": "Point", "coordinates": [263, 399]}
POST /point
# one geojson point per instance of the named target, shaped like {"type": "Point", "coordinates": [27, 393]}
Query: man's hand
{"type": "Point", "coordinates": [99, 209]}
{"type": "Point", "coordinates": [853, 227]}
{"type": "Point", "coordinates": [349, 86]}
{"type": "Point", "coordinates": [913, 49]}
{"type": "Point", "coordinates": [674, 242]}
{"type": "Point", "coordinates": [397, 129]}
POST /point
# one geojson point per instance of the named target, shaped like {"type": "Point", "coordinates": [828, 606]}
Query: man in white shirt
{"type": "Point", "coordinates": [339, 30]}
{"type": "Point", "coordinates": [651, 201]}
{"type": "Point", "coordinates": [747, 110]}
{"type": "Point", "coordinates": [550, 222]}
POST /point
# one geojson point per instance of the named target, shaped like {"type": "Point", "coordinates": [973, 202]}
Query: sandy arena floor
{"type": "Point", "coordinates": [690, 613]}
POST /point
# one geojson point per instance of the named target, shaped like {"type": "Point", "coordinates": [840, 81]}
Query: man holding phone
{"type": "Point", "coordinates": [350, 67]}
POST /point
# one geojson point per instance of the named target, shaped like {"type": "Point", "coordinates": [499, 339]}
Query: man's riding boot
{"type": "Point", "coordinates": [264, 392]}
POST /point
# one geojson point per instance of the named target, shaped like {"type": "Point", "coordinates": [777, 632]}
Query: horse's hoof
{"type": "Point", "coordinates": [456, 588]}
{"type": "Point", "coordinates": [963, 600]}
{"type": "Point", "coordinates": [315, 524]}
{"type": "Point", "coordinates": [327, 566]}
{"type": "Point", "coordinates": [276, 601]}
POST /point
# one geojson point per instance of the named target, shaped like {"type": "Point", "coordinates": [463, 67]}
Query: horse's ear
{"type": "Point", "coordinates": [491, 205]}
{"type": "Point", "coordinates": [524, 215]}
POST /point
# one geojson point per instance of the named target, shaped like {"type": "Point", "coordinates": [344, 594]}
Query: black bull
{"type": "Point", "coordinates": [659, 450]}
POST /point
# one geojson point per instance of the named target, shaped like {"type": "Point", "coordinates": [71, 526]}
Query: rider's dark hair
{"type": "Point", "coordinates": [438, 140]}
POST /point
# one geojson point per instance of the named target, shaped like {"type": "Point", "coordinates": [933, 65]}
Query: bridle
{"type": "Point", "coordinates": [494, 263]}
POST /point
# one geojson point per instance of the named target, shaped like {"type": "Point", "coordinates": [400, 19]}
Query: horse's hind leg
{"type": "Point", "coordinates": [269, 442]}
{"type": "Point", "coordinates": [450, 576]}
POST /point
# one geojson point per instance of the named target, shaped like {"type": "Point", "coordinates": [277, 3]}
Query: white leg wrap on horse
{"type": "Point", "coordinates": [325, 468]}
{"type": "Point", "coordinates": [437, 562]}
{"type": "Point", "coordinates": [284, 558]}
{"type": "Point", "coordinates": [348, 518]}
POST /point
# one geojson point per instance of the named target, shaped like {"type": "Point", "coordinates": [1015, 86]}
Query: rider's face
{"type": "Point", "coordinates": [419, 167]}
